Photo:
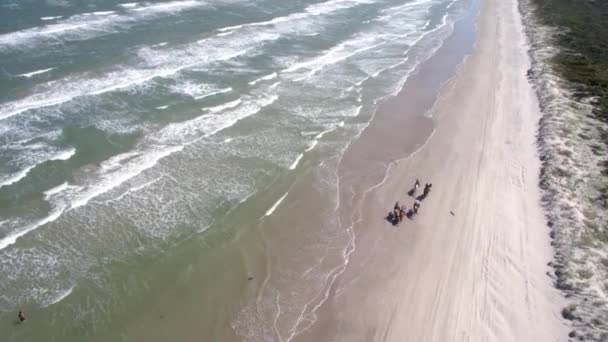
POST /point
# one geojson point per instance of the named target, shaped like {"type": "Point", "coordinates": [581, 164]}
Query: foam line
{"type": "Point", "coordinates": [275, 205]}
{"type": "Point", "coordinates": [166, 64]}
{"type": "Point", "coordinates": [135, 189]}
{"type": "Point", "coordinates": [129, 5]}
{"type": "Point", "coordinates": [65, 155]}
{"type": "Point", "coordinates": [12, 237]}
{"type": "Point", "coordinates": [33, 73]}
{"type": "Point", "coordinates": [264, 78]}
{"type": "Point", "coordinates": [61, 296]}
{"type": "Point", "coordinates": [221, 91]}
{"type": "Point", "coordinates": [53, 191]}
{"type": "Point", "coordinates": [296, 162]}
{"type": "Point", "coordinates": [318, 9]}
{"type": "Point", "coordinates": [16, 177]}
{"type": "Point", "coordinates": [99, 13]}
{"type": "Point", "coordinates": [121, 168]}
{"type": "Point", "coordinates": [89, 25]}
{"type": "Point", "coordinates": [312, 145]}
{"type": "Point", "coordinates": [227, 105]}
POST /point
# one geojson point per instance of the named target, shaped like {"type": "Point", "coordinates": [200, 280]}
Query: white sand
{"type": "Point", "coordinates": [477, 275]}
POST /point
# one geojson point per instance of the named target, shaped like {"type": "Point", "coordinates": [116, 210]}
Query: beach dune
{"type": "Point", "coordinates": [471, 266]}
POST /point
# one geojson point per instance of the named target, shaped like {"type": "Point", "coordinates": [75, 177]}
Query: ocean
{"type": "Point", "coordinates": [144, 146]}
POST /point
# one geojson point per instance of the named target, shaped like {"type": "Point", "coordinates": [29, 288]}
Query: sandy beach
{"type": "Point", "coordinates": [471, 266]}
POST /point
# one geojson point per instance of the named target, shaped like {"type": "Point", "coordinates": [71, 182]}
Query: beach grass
{"type": "Point", "coordinates": [583, 58]}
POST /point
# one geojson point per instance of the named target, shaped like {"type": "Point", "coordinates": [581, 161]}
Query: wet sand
{"type": "Point", "coordinates": [471, 266]}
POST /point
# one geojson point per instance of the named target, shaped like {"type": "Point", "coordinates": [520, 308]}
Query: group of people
{"type": "Point", "coordinates": [400, 211]}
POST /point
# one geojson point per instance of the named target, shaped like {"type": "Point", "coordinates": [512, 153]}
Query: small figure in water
{"type": "Point", "coordinates": [21, 316]}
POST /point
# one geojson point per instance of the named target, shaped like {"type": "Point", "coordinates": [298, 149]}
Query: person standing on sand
{"type": "Point", "coordinates": [416, 206]}
{"type": "Point", "coordinates": [427, 189]}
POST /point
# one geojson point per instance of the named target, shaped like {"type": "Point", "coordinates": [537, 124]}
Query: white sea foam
{"type": "Point", "coordinates": [110, 180]}
{"type": "Point", "coordinates": [64, 155]}
{"type": "Point", "coordinates": [305, 134]}
{"type": "Point", "coordinates": [166, 64]}
{"type": "Point", "coordinates": [129, 5]}
{"type": "Point", "coordinates": [135, 189]}
{"type": "Point", "coordinates": [404, 8]}
{"type": "Point", "coordinates": [50, 18]}
{"type": "Point", "coordinates": [227, 33]}
{"type": "Point", "coordinates": [199, 126]}
{"type": "Point", "coordinates": [14, 178]}
{"type": "Point", "coordinates": [195, 90]}
{"type": "Point", "coordinates": [191, 131]}
{"type": "Point", "coordinates": [162, 107]}
{"type": "Point", "coordinates": [88, 25]}
{"type": "Point", "coordinates": [117, 161]}
{"type": "Point", "coordinates": [37, 72]}
{"type": "Point", "coordinates": [227, 105]}
{"type": "Point", "coordinates": [296, 162]}
{"type": "Point", "coordinates": [12, 237]}
{"type": "Point", "coordinates": [264, 78]}
{"type": "Point", "coordinates": [390, 31]}
{"type": "Point", "coordinates": [230, 28]}
{"type": "Point", "coordinates": [318, 9]}
{"type": "Point", "coordinates": [121, 168]}
{"type": "Point", "coordinates": [227, 140]}
{"type": "Point", "coordinates": [312, 145]}
{"type": "Point", "coordinates": [275, 205]}
{"type": "Point", "coordinates": [100, 13]}
{"type": "Point", "coordinates": [169, 140]}
{"type": "Point", "coordinates": [61, 296]}
{"type": "Point", "coordinates": [336, 54]}
{"type": "Point", "coordinates": [53, 191]}
{"type": "Point", "coordinates": [320, 135]}
{"type": "Point", "coordinates": [169, 6]}
{"type": "Point", "coordinates": [160, 44]}
{"type": "Point", "coordinates": [213, 93]}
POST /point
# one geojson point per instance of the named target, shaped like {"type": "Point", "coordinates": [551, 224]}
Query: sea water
{"type": "Point", "coordinates": [129, 129]}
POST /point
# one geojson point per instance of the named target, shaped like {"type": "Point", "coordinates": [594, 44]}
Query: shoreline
{"type": "Point", "coordinates": [472, 265]}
